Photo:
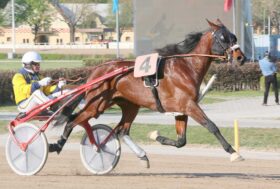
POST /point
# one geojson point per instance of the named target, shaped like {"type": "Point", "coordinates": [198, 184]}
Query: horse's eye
{"type": "Point", "coordinates": [222, 38]}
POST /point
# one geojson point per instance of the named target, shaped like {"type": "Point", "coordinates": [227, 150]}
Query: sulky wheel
{"type": "Point", "coordinates": [32, 160]}
{"type": "Point", "coordinates": [104, 160]}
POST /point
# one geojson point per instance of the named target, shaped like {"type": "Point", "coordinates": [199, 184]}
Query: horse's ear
{"type": "Point", "coordinates": [212, 25]}
{"type": "Point", "coordinates": [219, 22]}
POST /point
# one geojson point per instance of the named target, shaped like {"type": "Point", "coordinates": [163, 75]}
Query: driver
{"type": "Point", "coordinates": [30, 87]}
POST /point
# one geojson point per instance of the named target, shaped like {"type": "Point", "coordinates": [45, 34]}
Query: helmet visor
{"type": "Point", "coordinates": [35, 63]}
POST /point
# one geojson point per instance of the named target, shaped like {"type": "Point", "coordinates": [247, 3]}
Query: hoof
{"type": "Point", "coordinates": [55, 148]}
{"type": "Point", "coordinates": [153, 135]}
{"type": "Point", "coordinates": [145, 161]}
{"type": "Point", "coordinates": [236, 157]}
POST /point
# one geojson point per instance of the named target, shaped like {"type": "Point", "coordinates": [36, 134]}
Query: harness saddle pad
{"type": "Point", "coordinates": [146, 65]}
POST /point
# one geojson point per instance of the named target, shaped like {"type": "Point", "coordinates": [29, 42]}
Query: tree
{"type": "Point", "coordinates": [2, 19]}
{"type": "Point", "coordinates": [3, 3]}
{"type": "Point", "coordinates": [262, 9]}
{"type": "Point", "coordinates": [35, 13]}
{"type": "Point", "coordinates": [89, 21]}
{"type": "Point", "coordinates": [72, 15]}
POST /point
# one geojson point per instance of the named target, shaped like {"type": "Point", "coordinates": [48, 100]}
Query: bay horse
{"type": "Point", "coordinates": [182, 69]}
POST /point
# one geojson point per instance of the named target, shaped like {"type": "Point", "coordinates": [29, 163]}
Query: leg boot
{"type": "Point", "coordinates": [57, 147]}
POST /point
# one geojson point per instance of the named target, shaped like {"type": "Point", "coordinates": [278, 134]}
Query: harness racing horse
{"type": "Point", "coordinates": [182, 69]}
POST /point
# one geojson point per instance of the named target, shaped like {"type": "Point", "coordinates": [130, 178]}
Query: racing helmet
{"type": "Point", "coordinates": [30, 57]}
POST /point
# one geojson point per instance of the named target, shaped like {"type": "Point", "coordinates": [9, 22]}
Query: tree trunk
{"type": "Point", "coordinates": [36, 30]}
{"type": "Point", "coordinates": [72, 34]}
{"type": "Point", "coordinates": [120, 34]}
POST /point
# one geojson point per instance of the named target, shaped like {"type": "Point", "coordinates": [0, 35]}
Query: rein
{"type": "Point", "coordinates": [200, 55]}
{"type": "Point", "coordinates": [69, 81]}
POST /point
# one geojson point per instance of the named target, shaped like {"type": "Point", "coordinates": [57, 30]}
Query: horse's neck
{"type": "Point", "coordinates": [202, 64]}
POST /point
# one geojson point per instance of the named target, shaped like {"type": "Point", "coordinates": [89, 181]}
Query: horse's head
{"type": "Point", "coordinates": [225, 43]}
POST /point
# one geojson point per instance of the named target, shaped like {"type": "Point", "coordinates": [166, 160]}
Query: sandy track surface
{"type": "Point", "coordinates": [167, 171]}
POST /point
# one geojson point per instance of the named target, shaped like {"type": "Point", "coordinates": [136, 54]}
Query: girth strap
{"type": "Point", "coordinates": [155, 94]}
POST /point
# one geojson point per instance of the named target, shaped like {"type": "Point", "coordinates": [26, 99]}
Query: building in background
{"type": "Point", "coordinates": [59, 33]}
{"type": "Point", "coordinates": [264, 43]}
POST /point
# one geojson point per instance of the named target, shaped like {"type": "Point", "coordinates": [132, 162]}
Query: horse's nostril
{"type": "Point", "coordinates": [239, 58]}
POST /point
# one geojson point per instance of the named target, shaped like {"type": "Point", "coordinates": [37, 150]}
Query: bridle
{"type": "Point", "coordinates": [218, 40]}
{"type": "Point", "coordinates": [229, 49]}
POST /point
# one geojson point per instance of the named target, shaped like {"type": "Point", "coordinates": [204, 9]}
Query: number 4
{"type": "Point", "coordinates": [146, 65]}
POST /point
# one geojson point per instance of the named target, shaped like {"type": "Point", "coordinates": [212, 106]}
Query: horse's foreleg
{"type": "Point", "coordinates": [198, 115]}
{"type": "Point", "coordinates": [181, 128]}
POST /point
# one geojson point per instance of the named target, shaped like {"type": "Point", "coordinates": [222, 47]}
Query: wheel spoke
{"type": "Point", "coordinates": [102, 160]}
{"type": "Point", "coordinates": [108, 152]}
{"type": "Point", "coordinates": [101, 154]}
{"type": "Point", "coordinates": [93, 157]}
{"type": "Point", "coordinates": [97, 137]}
{"type": "Point", "coordinates": [35, 155]}
{"type": "Point", "coordinates": [26, 162]}
{"type": "Point", "coordinates": [16, 158]}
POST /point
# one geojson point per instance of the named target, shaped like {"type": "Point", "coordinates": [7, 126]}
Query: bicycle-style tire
{"type": "Point", "coordinates": [32, 160]}
{"type": "Point", "coordinates": [102, 161]}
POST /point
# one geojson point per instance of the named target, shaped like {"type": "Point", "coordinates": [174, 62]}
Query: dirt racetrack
{"type": "Point", "coordinates": [167, 171]}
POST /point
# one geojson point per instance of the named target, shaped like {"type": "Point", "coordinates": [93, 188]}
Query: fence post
{"type": "Point", "coordinates": [236, 136]}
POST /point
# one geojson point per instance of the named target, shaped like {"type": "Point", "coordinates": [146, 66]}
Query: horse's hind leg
{"type": "Point", "coordinates": [57, 147]}
{"type": "Point", "coordinates": [129, 112]}
{"type": "Point", "coordinates": [181, 128]}
{"type": "Point", "coordinates": [92, 110]}
{"type": "Point", "coordinates": [198, 115]}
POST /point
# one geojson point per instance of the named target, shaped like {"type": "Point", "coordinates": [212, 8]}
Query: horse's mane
{"type": "Point", "coordinates": [183, 47]}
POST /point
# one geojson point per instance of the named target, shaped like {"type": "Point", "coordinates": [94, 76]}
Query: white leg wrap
{"type": "Point", "coordinates": [134, 147]}
{"type": "Point", "coordinates": [153, 135]}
